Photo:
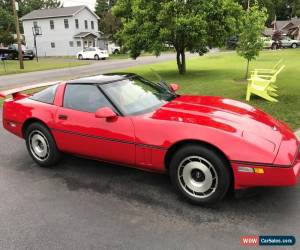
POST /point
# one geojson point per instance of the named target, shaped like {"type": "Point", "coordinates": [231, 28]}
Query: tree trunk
{"type": "Point", "coordinates": [247, 70]}
{"type": "Point", "coordinates": [181, 62]}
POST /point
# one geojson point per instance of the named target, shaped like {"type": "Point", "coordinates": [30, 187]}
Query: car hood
{"type": "Point", "coordinates": [227, 115]}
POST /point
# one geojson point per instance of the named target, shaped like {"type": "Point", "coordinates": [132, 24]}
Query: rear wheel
{"type": "Point", "coordinates": [80, 57]}
{"type": "Point", "coordinates": [41, 145]}
{"type": "Point", "coordinates": [96, 57]}
{"type": "Point", "coordinates": [274, 46]}
{"type": "Point", "coordinates": [200, 174]}
{"type": "Point", "coordinates": [294, 45]}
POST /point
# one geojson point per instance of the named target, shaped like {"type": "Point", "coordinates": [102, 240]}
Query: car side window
{"type": "Point", "coordinates": [47, 95]}
{"type": "Point", "coordinates": [84, 97]}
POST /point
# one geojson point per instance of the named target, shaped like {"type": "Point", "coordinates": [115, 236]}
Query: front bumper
{"type": "Point", "coordinates": [271, 176]}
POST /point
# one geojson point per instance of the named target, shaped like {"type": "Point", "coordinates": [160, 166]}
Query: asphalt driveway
{"type": "Point", "coordinates": [97, 67]}
{"type": "Point", "coordinates": [83, 204]}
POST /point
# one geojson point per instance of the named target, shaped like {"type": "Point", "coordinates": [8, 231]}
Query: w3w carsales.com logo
{"type": "Point", "coordinates": [268, 240]}
{"type": "Point", "coordinates": [250, 241]}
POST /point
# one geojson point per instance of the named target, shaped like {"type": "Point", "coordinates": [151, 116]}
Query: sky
{"type": "Point", "coordinates": [89, 3]}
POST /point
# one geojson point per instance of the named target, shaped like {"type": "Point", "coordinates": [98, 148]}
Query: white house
{"type": "Point", "coordinates": [64, 31]}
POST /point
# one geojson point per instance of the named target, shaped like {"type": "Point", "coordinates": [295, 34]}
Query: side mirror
{"type": "Point", "coordinates": [174, 86]}
{"type": "Point", "coordinates": [105, 112]}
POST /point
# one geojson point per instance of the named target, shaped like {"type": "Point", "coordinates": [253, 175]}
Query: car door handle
{"type": "Point", "coordinates": [62, 117]}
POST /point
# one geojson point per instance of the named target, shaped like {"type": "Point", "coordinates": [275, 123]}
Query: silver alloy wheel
{"type": "Point", "coordinates": [294, 45]}
{"type": "Point", "coordinates": [39, 146]}
{"type": "Point", "coordinates": [198, 177]}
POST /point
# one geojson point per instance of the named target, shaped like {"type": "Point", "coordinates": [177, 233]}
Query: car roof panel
{"type": "Point", "coordinates": [102, 79]}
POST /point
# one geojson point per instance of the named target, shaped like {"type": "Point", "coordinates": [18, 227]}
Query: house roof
{"type": "Point", "coordinates": [57, 12]}
{"type": "Point", "coordinates": [84, 34]}
{"type": "Point", "coordinates": [296, 22]}
{"type": "Point", "coordinates": [282, 24]}
{"type": "Point", "coordinates": [268, 31]}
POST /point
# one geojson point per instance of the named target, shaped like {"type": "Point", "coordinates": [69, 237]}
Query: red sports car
{"type": "Point", "coordinates": [206, 144]}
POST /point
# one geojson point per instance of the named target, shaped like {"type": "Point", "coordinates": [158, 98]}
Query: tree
{"type": "Point", "coordinates": [108, 23]}
{"type": "Point", "coordinates": [282, 9]}
{"type": "Point", "coordinates": [150, 25]}
{"type": "Point", "coordinates": [27, 6]}
{"type": "Point", "coordinates": [7, 27]}
{"type": "Point", "coordinates": [101, 8]}
{"type": "Point", "coordinates": [250, 42]}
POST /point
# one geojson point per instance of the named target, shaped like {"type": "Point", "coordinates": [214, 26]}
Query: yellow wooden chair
{"type": "Point", "coordinates": [268, 71]}
{"type": "Point", "coordinates": [263, 86]}
{"type": "Point", "coordinates": [269, 77]}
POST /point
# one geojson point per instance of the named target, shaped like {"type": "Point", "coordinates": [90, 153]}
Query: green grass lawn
{"type": "Point", "coordinates": [220, 75]}
{"type": "Point", "coordinates": [12, 66]}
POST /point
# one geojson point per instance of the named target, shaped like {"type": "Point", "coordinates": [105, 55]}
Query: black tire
{"type": "Point", "coordinates": [96, 57]}
{"type": "Point", "coordinates": [80, 57]}
{"type": "Point", "coordinates": [35, 132]}
{"type": "Point", "coordinates": [116, 51]}
{"type": "Point", "coordinates": [215, 171]}
{"type": "Point", "coordinates": [274, 46]}
{"type": "Point", "coordinates": [294, 45]}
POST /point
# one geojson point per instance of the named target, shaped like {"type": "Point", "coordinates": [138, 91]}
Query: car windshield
{"type": "Point", "coordinates": [137, 95]}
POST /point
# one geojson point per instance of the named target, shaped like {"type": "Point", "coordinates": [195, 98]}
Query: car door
{"type": "Point", "coordinates": [78, 131]}
{"type": "Point", "coordinates": [92, 53]}
{"type": "Point", "coordinates": [285, 42]}
{"type": "Point", "coordinates": [84, 53]}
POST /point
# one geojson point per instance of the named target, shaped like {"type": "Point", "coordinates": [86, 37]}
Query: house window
{"type": "Point", "coordinates": [35, 24]}
{"type": "Point", "coordinates": [76, 23]}
{"type": "Point", "coordinates": [52, 24]}
{"type": "Point", "coordinates": [52, 45]}
{"type": "Point", "coordinates": [86, 24]}
{"type": "Point", "coordinates": [78, 43]}
{"type": "Point", "coordinates": [71, 43]}
{"type": "Point", "coordinates": [92, 25]}
{"type": "Point", "coordinates": [66, 22]}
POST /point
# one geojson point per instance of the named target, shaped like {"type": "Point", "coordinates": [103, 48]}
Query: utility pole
{"type": "Point", "coordinates": [20, 52]}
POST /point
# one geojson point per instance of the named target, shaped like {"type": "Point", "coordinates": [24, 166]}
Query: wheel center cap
{"type": "Point", "coordinates": [197, 175]}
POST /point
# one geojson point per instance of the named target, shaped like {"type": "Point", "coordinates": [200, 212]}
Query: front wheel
{"type": "Point", "coordinates": [200, 174]}
{"type": "Point", "coordinates": [294, 45]}
{"type": "Point", "coordinates": [41, 145]}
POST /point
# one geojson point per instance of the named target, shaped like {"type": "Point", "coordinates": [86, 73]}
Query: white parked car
{"type": "Point", "coordinates": [113, 48]}
{"type": "Point", "coordinates": [92, 53]}
{"type": "Point", "coordinates": [268, 43]}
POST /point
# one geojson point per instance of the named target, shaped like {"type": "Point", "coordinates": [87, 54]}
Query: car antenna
{"type": "Point", "coordinates": [161, 81]}
{"type": "Point", "coordinates": [156, 74]}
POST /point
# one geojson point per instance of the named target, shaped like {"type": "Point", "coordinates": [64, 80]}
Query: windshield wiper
{"type": "Point", "coordinates": [162, 83]}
